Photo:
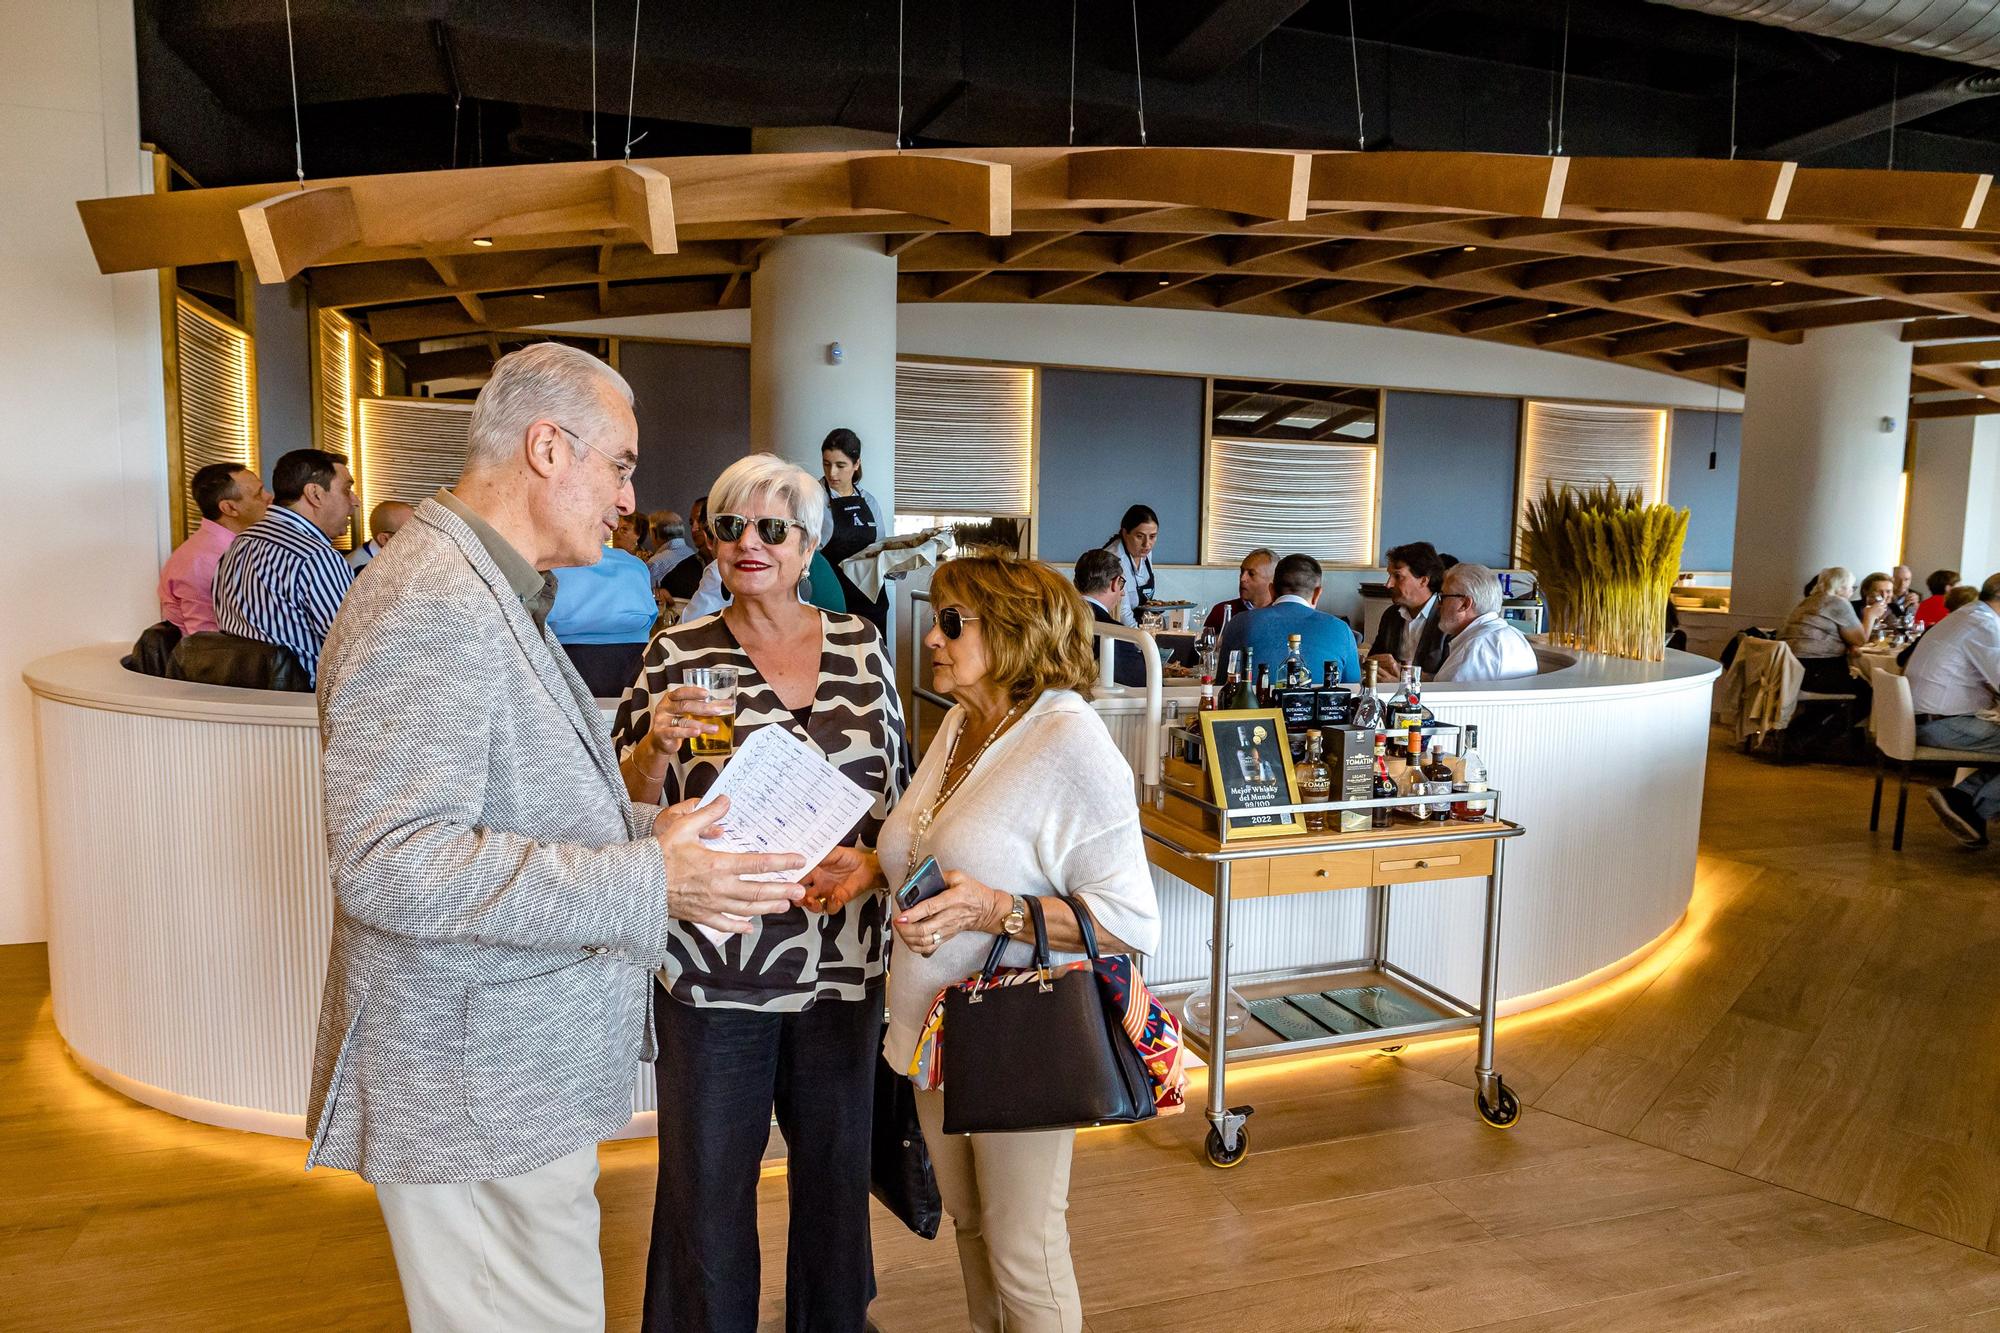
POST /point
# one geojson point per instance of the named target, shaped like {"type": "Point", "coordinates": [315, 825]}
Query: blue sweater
{"type": "Point", "coordinates": [1322, 638]}
{"type": "Point", "coordinates": [608, 602]}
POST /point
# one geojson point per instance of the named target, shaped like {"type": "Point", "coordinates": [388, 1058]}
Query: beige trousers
{"type": "Point", "coordinates": [519, 1253]}
{"type": "Point", "coordinates": [1008, 1196]}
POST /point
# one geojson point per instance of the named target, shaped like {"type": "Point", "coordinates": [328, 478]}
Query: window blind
{"type": "Point", "coordinates": [336, 384]}
{"type": "Point", "coordinates": [1576, 444]}
{"type": "Point", "coordinates": [213, 396]}
{"type": "Point", "coordinates": [964, 436]}
{"type": "Point", "coordinates": [1314, 498]}
{"type": "Point", "coordinates": [413, 445]}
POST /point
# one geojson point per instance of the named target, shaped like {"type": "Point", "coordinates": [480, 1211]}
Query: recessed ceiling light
{"type": "Point", "coordinates": [540, 297]}
{"type": "Point", "coordinates": [483, 242]}
{"type": "Point", "coordinates": [1163, 282]}
{"type": "Point", "coordinates": [1470, 248]}
{"type": "Point", "coordinates": [1779, 283]}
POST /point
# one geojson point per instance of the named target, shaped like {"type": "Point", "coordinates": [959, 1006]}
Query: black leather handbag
{"type": "Point", "coordinates": [1034, 1049]}
{"type": "Point", "coordinates": [899, 1166]}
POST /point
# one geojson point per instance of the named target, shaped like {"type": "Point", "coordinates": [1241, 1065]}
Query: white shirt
{"type": "Point", "coordinates": [1135, 573]}
{"type": "Point", "coordinates": [1048, 809]}
{"type": "Point", "coordinates": [1489, 649]}
{"type": "Point", "coordinates": [1955, 668]}
{"type": "Point", "coordinates": [709, 597]}
{"type": "Point", "coordinates": [1413, 627]}
{"type": "Point", "coordinates": [1306, 602]}
{"type": "Point", "coordinates": [359, 557]}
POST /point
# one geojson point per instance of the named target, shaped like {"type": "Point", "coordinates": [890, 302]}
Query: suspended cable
{"type": "Point", "coordinates": [632, 85]}
{"type": "Point", "coordinates": [292, 61]}
{"type": "Point", "coordinates": [593, 80]}
{"type": "Point", "coordinates": [1138, 74]}
{"type": "Point", "coordinates": [1895, 75]}
{"type": "Point", "coordinates": [1072, 73]}
{"type": "Point", "coordinates": [1735, 53]}
{"type": "Point", "coordinates": [1562, 96]}
{"type": "Point", "coordinates": [1354, 53]}
{"type": "Point", "coordinates": [1715, 421]}
{"type": "Point", "coordinates": [899, 74]}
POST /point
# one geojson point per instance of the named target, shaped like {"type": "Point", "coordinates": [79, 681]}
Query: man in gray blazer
{"type": "Point", "coordinates": [499, 903]}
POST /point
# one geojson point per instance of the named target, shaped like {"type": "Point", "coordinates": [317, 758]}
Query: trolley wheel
{"type": "Point", "coordinates": [1504, 1112]}
{"type": "Point", "coordinates": [1391, 1050]}
{"type": "Point", "coordinates": [1222, 1157]}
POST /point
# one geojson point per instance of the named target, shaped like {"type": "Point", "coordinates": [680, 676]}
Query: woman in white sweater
{"type": "Point", "coordinates": [1022, 792]}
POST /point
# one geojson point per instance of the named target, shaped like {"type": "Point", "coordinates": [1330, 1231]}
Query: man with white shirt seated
{"type": "Point", "coordinates": [1483, 646]}
{"type": "Point", "coordinates": [1954, 675]}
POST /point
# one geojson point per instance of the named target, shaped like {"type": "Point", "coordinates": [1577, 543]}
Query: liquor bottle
{"type": "Point", "coordinates": [1333, 705]}
{"type": "Point", "coordinates": [1396, 712]}
{"type": "Point", "coordinates": [1292, 674]}
{"type": "Point", "coordinates": [1207, 703]}
{"type": "Point", "coordinates": [1413, 782]}
{"type": "Point", "coordinates": [1472, 777]}
{"type": "Point", "coordinates": [1439, 773]}
{"type": "Point", "coordinates": [1368, 708]}
{"type": "Point", "coordinates": [1263, 687]}
{"type": "Point", "coordinates": [1315, 782]}
{"type": "Point", "coordinates": [1382, 816]}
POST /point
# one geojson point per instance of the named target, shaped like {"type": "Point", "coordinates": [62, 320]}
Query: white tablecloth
{"type": "Point", "coordinates": [868, 570]}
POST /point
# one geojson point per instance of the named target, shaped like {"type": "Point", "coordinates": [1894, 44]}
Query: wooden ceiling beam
{"type": "Point", "coordinates": [1257, 182]}
{"type": "Point", "coordinates": [962, 192]}
{"type": "Point", "coordinates": [288, 233]}
{"type": "Point", "coordinates": [1943, 199]}
{"type": "Point", "coordinates": [342, 286]}
{"type": "Point", "coordinates": [1341, 295]}
{"type": "Point", "coordinates": [895, 245]}
{"type": "Point", "coordinates": [453, 363]}
{"type": "Point", "coordinates": [1954, 407]}
{"type": "Point", "coordinates": [1715, 356]}
{"type": "Point", "coordinates": [1435, 302]}
{"type": "Point", "coordinates": [1624, 185]}
{"type": "Point", "coordinates": [446, 319]}
{"type": "Point", "coordinates": [1055, 284]}
{"type": "Point", "coordinates": [1957, 354]}
{"type": "Point", "coordinates": [1020, 246]}
{"type": "Point", "coordinates": [1842, 313]}
{"type": "Point", "coordinates": [947, 284]}
{"type": "Point", "coordinates": [1670, 338]}
{"type": "Point", "coordinates": [1459, 182]}
{"type": "Point", "coordinates": [1942, 328]}
{"type": "Point", "coordinates": [1561, 331]}
{"type": "Point", "coordinates": [643, 202]}
{"type": "Point", "coordinates": [1504, 316]}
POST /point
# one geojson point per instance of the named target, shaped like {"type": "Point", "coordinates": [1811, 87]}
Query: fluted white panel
{"type": "Point", "coordinates": [1609, 790]}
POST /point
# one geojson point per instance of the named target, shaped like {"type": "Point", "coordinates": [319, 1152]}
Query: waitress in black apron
{"type": "Point", "coordinates": [1138, 532]}
{"type": "Point", "coordinates": [854, 521]}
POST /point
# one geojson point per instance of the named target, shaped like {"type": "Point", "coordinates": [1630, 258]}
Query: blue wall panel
{"type": "Point", "coordinates": [1709, 494]}
{"type": "Point", "coordinates": [1109, 440]}
{"type": "Point", "coordinates": [1448, 473]}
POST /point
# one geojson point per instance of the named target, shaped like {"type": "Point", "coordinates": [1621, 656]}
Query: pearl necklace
{"type": "Point", "coordinates": [924, 820]}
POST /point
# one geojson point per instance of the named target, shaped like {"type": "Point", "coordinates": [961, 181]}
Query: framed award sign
{"type": "Point", "coordinates": [1250, 765]}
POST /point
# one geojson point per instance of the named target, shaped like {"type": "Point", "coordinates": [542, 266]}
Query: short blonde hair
{"type": "Point", "coordinates": [771, 477]}
{"type": "Point", "coordinates": [1832, 580]}
{"type": "Point", "coordinates": [1033, 623]}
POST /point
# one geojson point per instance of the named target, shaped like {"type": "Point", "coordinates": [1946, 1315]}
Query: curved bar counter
{"type": "Point", "coordinates": [190, 911]}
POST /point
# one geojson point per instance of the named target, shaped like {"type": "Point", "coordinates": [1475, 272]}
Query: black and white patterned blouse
{"type": "Point", "coordinates": [787, 961]}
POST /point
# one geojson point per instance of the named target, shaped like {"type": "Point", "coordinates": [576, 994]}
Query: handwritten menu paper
{"type": "Point", "coordinates": [783, 797]}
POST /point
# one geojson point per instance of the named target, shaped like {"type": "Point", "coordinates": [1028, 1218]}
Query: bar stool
{"type": "Point", "coordinates": [1895, 722]}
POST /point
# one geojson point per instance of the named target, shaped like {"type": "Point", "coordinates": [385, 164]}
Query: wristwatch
{"type": "Point", "coordinates": [1016, 918]}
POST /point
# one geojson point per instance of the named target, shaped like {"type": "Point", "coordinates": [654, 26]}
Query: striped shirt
{"type": "Point", "coordinates": [281, 582]}
{"type": "Point", "coordinates": [856, 720]}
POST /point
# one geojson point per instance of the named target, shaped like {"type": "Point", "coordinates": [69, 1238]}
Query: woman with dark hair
{"type": "Point", "coordinates": [854, 522]}
{"type": "Point", "coordinates": [1138, 533]}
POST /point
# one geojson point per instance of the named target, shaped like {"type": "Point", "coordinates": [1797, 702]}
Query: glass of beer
{"type": "Point", "coordinates": [720, 682]}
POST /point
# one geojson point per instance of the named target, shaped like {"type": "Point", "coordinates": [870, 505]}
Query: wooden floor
{"type": "Point", "coordinates": [1789, 1119]}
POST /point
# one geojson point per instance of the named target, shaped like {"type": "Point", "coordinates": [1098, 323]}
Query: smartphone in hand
{"type": "Point", "coordinates": [926, 881]}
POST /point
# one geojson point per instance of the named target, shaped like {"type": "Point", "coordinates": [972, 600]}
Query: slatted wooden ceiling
{"type": "Point", "coordinates": [1671, 265]}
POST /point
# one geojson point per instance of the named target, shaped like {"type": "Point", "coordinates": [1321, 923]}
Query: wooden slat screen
{"type": "Point", "coordinates": [1578, 444]}
{"type": "Point", "coordinates": [1318, 499]}
{"type": "Point", "coordinates": [413, 445]}
{"type": "Point", "coordinates": [964, 438]}
{"type": "Point", "coordinates": [217, 417]}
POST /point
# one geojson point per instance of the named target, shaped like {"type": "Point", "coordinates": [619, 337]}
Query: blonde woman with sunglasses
{"type": "Point", "coordinates": [788, 1016]}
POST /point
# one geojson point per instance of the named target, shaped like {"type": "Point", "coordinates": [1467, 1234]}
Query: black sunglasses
{"type": "Point", "coordinates": [772, 531]}
{"type": "Point", "coordinates": [952, 621]}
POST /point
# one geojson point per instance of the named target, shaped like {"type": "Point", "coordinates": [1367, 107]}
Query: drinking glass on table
{"type": "Point", "coordinates": [720, 683]}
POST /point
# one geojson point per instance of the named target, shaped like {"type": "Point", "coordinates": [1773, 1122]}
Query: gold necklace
{"type": "Point", "coordinates": [945, 793]}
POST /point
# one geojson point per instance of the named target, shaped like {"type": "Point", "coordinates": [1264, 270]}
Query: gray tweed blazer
{"type": "Point", "coordinates": [499, 904]}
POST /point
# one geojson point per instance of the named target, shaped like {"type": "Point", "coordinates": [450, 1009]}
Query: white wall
{"type": "Point", "coordinates": [1190, 342]}
{"type": "Point", "coordinates": [1954, 492]}
{"type": "Point", "coordinates": [82, 436]}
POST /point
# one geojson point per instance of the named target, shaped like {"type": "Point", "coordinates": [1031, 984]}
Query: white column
{"type": "Point", "coordinates": [809, 296]}
{"type": "Point", "coordinates": [1820, 482]}
{"type": "Point", "coordinates": [1954, 491]}
{"type": "Point", "coordinates": [82, 442]}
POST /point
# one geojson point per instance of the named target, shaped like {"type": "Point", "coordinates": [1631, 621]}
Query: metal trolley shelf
{"type": "Point", "coordinates": [1371, 859]}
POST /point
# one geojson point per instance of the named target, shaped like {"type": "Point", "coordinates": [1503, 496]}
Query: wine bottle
{"type": "Point", "coordinates": [1413, 782]}
{"type": "Point", "coordinates": [1263, 687]}
{"type": "Point", "coordinates": [1472, 775]}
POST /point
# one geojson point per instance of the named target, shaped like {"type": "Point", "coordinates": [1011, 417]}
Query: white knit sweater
{"type": "Point", "coordinates": [1048, 809]}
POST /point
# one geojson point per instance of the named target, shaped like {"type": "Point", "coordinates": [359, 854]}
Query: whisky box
{"type": "Point", "coordinates": [1350, 753]}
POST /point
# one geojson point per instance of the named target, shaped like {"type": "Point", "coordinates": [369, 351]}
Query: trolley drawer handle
{"type": "Point", "coordinates": [1321, 872]}
{"type": "Point", "coordinates": [1426, 864]}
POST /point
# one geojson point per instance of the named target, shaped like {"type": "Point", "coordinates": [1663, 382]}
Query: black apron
{"type": "Point", "coordinates": [854, 530]}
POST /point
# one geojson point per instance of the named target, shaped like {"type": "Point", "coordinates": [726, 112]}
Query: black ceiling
{"type": "Point", "coordinates": [411, 85]}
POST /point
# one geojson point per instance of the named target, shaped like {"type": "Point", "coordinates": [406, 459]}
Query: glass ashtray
{"type": "Point", "coordinates": [1195, 1013]}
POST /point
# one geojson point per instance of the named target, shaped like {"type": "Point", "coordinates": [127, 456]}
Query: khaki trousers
{"type": "Point", "coordinates": [1008, 1196]}
{"type": "Point", "coordinates": [519, 1253]}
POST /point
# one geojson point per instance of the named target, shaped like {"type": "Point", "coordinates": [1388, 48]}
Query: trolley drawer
{"type": "Point", "coordinates": [1450, 860]}
{"type": "Point", "coordinates": [1327, 870]}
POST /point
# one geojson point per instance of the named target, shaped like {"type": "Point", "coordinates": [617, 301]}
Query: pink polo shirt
{"type": "Point", "coordinates": [187, 580]}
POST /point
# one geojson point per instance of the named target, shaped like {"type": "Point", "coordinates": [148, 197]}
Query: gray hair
{"type": "Point", "coordinates": [767, 476]}
{"type": "Point", "coordinates": [672, 531]}
{"type": "Point", "coordinates": [1478, 583]}
{"type": "Point", "coordinates": [540, 382]}
{"type": "Point", "coordinates": [1833, 581]}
